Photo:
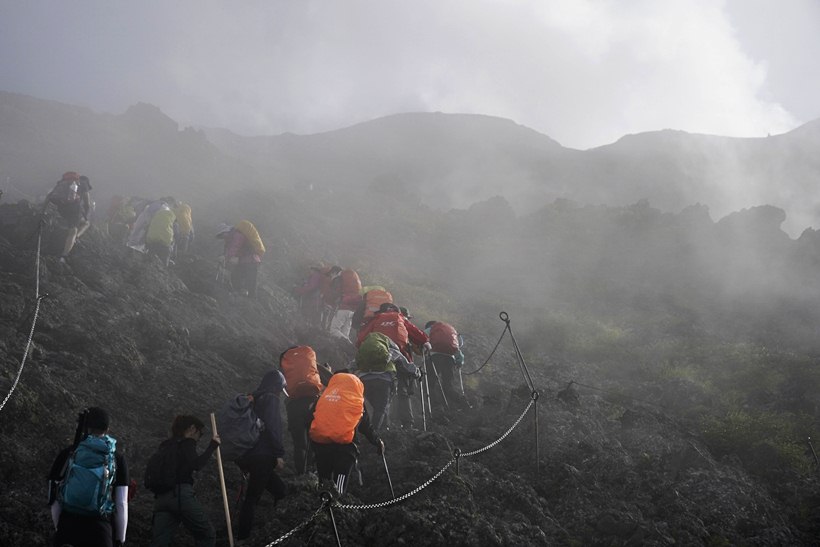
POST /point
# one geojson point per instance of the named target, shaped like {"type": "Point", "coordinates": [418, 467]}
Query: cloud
{"type": "Point", "coordinates": [585, 72]}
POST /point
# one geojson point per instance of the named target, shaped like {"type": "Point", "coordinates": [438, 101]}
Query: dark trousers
{"type": "Point", "coordinates": [159, 249]}
{"type": "Point", "coordinates": [445, 365]}
{"type": "Point", "coordinates": [403, 406]}
{"type": "Point", "coordinates": [334, 463]}
{"type": "Point", "coordinates": [243, 277]}
{"type": "Point", "coordinates": [298, 410]}
{"type": "Point", "coordinates": [262, 476]}
{"type": "Point", "coordinates": [180, 506]}
{"type": "Point", "coordinates": [82, 531]}
{"type": "Point", "coordinates": [378, 392]}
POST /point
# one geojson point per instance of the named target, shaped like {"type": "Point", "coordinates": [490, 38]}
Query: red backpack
{"type": "Point", "coordinates": [444, 338]}
{"type": "Point", "coordinates": [391, 324]}
{"type": "Point", "coordinates": [298, 365]}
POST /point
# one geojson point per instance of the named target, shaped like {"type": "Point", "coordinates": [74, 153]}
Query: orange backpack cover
{"type": "Point", "coordinates": [391, 324]}
{"type": "Point", "coordinates": [338, 410]}
{"type": "Point", "coordinates": [373, 301]}
{"type": "Point", "coordinates": [298, 365]}
{"type": "Point", "coordinates": [351, 284]}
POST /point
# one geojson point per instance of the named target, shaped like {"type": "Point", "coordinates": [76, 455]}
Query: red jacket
{"type": "Point", "coordinates": [396, 327]}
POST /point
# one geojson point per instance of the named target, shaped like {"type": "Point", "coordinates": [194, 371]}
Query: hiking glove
{"type": "Point", "coordinates": [427, 346]}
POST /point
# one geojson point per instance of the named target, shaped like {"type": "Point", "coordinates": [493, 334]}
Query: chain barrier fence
{"type": "Point", "coordinates": [37, 300]}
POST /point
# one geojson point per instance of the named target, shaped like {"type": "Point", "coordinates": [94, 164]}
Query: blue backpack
{"type": "Point", "coordinates": [89, 480]}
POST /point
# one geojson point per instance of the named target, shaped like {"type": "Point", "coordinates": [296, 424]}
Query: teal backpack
{"type": "Point", "coordinates": [374, 354]}
{"type": "Point", "coordinates": [89, 480]}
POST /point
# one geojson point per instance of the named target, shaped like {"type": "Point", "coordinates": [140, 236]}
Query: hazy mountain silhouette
{"type": "Point", "coordinates": [442, 160]}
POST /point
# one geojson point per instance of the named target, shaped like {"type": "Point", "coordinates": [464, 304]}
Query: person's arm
{"type": "Point", "coordinates": [401, 362]}
{"type": "Point", "coordinates": [121, 500]}
{"type": "Point", "coordinates": [366, 428]}
{"type": "Point", "coordinates": [415, 334]}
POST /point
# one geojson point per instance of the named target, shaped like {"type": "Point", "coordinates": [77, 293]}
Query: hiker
{"type": "Point", "coordinates": [333, 422]}
{"type": "Point", "coordinates": [185, 235]}
{"type": "Point", "coordinates": [242, 255]}
{"type": "Point", "coordinates": [447, 360]}
{"type": "Point", "coordinates": [161, 234]}
{"type": "Point", "coordinates": [298, 365]}
{"type": "Point", "coordinates": [345, 287]}
{"type": "Point", "coordinates": [72, 196]}
{"type": "Point", "coordinates": [389, 320]}
{"type": "Point", "coordinates": [266, 457]}
{"type": "Point", "coordinates": [136, 238]}
{"type": "Point", "coordinates": [310, 294]}
{"type": "Point", "coordinates": [377, 362]}
{"type": "Point", "coordinates": [91, 464]}
{"type": "Point", "coordinates": [120, 217]}
{"type": "Point", "coordinates": [170, 475]}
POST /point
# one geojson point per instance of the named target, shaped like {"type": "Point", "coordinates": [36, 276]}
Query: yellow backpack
{"type": "Point", "coordinates": [248, 230]}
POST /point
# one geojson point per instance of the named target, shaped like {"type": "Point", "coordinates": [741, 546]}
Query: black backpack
{"type": "Point", "coordinates": [162, 471]}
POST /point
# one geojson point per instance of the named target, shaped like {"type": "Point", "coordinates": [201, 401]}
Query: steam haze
{"type": "Point", "coordinates": [585, 73]}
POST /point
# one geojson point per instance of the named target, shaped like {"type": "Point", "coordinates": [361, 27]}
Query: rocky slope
{"type": "Point", "coordinates": [621, 464]}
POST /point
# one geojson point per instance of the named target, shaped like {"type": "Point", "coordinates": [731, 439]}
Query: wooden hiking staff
{"type": "Point", "coordinates": [222, 484]}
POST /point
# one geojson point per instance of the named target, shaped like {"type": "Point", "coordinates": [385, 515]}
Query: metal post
{"type": "Point", "coordinates": [327, 500]}
{"type": "Point", "coordinates": [457, 456]}
{"type": "Point", "coordinates": [537, 451]}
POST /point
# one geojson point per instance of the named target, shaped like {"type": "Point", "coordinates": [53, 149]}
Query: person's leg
{"type": "Point", "coordinates": [84, 225]}
{"type": "Point", "coordinates": [296, 410]}
{"type": "Point", "coordinates": [404, 405]}
{"type": "Point", "coordinates": [250, 280]}
{"type": "Point", "coordinates": [165, 519]}
{"type": "Point", "coordinates": [70, 239]}
{"type": "Point", "coordinates": [344, 460]}
{"type": "Point", "coordinates": [259, 470]}
{"type": "Point", "coordinates": [195, 519]}
{"type": "Point", "coordinates": [377, 393]}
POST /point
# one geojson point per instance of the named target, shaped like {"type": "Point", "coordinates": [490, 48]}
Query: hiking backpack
{"type": "Point", "coordinates": [88, 484]}
{"type": "Point", "coordinates": [373, 299]}
{"type": "Point", "coordinates": [239, 426]}
{"type": "Point", "coordinates": [298, 365]}
{"type": "Point", "coordinates": [338, 411]}
{"type": "Point", "coordinates": [65, 191]}
{"type": "Point", "coordinates": [444, 338]}
{"type": "Point", "coordinates": [248, 230]}
{"type": "Point", "coordinates": [351, 286]}
{"type": "Point", "coordinates": [162, 471]}
{"type": "Point", "coordinates": [391, 324]}
{"type": "Point", "coordinates": [374, 354]}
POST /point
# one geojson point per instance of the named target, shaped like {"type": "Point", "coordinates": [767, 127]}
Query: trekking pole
{"type": "Point", "coordinates": [387, 472]}
{"type": "Point", "coordinates": [426, 386]}
{"type": "Point", "coordinates": [423, 412]}
{"type": "Point", "coordinates": [438, 379]}
{"type": "Point", "coordinates": [813, 453]}
{"type": "Point", "coordinates": [222, 484]}
{"type": "Point", "coordinates": [461, 382]}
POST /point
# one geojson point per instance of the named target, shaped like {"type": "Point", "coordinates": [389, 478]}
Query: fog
{"type": "Point", "coordinates": [583, 72]}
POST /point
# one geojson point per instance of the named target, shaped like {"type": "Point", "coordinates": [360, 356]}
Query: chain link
{"type": "Point", "coordinates": [38, 298]}
{"type": "Point", "coordinates": [298, 526]}
{"type": "Point", "coordinates": [504, 436]}
{"type": "Point", "coordinates": [400, 498]}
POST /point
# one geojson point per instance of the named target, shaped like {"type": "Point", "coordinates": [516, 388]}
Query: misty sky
{"type": "Point", "coordinates": [584, 72]}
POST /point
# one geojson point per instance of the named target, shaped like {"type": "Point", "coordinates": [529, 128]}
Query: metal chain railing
{"type": "Point", "coordinates": [491, 353]}
{"type": "Point", "coordinates": [38, 299]}
{"type": "Point", "coordinates": [401, 498]}
{"type": "Point", "coordinates": [502, 437]}
{"type": "Point", "coordinates": [298, 526]}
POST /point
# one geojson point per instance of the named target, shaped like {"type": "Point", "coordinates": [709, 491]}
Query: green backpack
{"type": "Point", "coordinates": [374, 354]}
